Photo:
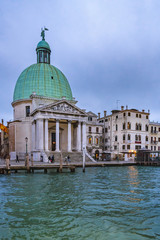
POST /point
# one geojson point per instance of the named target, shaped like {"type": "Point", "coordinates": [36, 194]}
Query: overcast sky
{"type": "Point", "coordinates": [109, 50]}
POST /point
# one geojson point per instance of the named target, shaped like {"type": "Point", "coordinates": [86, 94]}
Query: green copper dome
{"type": "Point", "coordinates": [44, 79]}
{"type": "Point", "coordinates": [43, 44]}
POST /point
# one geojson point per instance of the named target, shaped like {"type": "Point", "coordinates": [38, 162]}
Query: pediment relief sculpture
{"type": "Point", "coordinates": [63, 107]}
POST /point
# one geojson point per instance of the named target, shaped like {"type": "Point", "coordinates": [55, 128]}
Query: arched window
{"type": "Point", "coordinates": [146, 128]}
{"type": "Point", "coordinates": [139, 137]}
{"type": "Point", "coordinates": [140, 127]}
{"type": "Point", "coordinates": [116, 138]}
{"type": "Point", "coordinates": [116, 127]}
{"type": "Point", "coordinates": [123, 126]}
{"type": "Point", "coordinates": [89, 139]}
{"type": "Point", "coordinates": [128, 125]}
{"type": "Point", "coordinates": [96, 140]}
{"type": "Point", "coordinates": [136, 138]}
{"type": "Point", "coordinates": [129, 137]}
{"type": "Point", "coordinates": [124, 137]}
{"type": "Point", "coordinates": [146, 138]}
{"type": "Point", "coordinates": [136, 126]}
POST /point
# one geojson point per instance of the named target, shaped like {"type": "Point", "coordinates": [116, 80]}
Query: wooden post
{"type": "Point", "coordinates": [32, 159]}
{"type": "Point", "coordinates": [72, 169]}
{"type": "Point", "coordinates": [8, 165]}
{"type": "Point", "coordinates": [83, 159]}
{"type": "Point", "coordinates": [61, 163]}
{"type": "Point", "coordinates": [27, 163]}
{"type": "Point", "coordinates": [45, 170]}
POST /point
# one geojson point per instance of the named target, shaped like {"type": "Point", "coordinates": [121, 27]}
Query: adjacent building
{"type": "Point", "coordinates": [124, 132]}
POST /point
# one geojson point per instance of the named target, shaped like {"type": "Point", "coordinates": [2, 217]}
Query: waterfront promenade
{"type": "Point", "coordinates": [19, 166]}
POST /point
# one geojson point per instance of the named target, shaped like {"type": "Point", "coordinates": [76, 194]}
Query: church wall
{"type": "Point", "coordinates": [20, 110]}
{"type": "Point", "coordinates": [23, 130]}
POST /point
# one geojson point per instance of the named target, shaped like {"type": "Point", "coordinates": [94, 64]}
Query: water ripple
{"type": "Point", "coordinates": [103, 203]}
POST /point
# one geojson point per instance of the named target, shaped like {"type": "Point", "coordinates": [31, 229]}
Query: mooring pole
{"type": "Point", "coordinates": [84, 159]}
{"type": "Point", "coordinates": [27, 163]}
{"type": "Point", "coordinates": [32, 159]}
{"type": "Point", "coordinates": [8, 164]}
{"type": "Point", "coordinates": [61, 163]}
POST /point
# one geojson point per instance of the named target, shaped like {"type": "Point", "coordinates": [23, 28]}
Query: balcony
{"type": "Point", "coordinates": [138, 142]}
{"type": "Point", "coordinates": [154, 142]}
{"type": "Point", "coordinates": [154, 132]}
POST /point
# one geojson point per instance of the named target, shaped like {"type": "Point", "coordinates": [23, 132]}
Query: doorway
{"type": "Point", "coordinates": [53, 140]}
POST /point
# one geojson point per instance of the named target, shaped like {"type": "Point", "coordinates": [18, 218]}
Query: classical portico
{"type": "Point", "coordinates": [59, 126]}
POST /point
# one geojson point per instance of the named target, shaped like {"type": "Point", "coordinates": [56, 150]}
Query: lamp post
{"type": "Point", "coordinates": [26, 139]}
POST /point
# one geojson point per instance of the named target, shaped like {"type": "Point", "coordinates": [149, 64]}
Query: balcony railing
{"type": "Point", "coordinates": [154, 142]}
{"type": "Point", "coordinates": [154, 132]}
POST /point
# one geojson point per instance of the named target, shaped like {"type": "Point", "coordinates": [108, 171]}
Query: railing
{"type": "Point", "coordinates": [154, 132]}
{"type": "Point", "coordinates": [154, 142]}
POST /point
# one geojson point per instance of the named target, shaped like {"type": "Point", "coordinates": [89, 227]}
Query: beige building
{"type": "Point", "coordinates": [124, 132]}
{"type": "Point", "coordinates": [154, 136]}
{"type": "Point", "coordinates": [94, 136]}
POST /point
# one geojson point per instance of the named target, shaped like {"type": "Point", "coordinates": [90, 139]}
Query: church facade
{"type": "Point", "coordinates": [46, 119]}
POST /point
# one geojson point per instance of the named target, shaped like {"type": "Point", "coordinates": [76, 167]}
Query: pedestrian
{"type": "Point", "coordinates": [17, 159]}
{"type": "Point", "coordinates": [49, 159]}
{"type": "Point", "coordinates": [52, 158]}
{"type": "Point", "coordinates": [68, 159]}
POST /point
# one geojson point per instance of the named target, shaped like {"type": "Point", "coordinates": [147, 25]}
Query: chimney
{"type": "Point", "coordinates": [2, 121]}
{"type": "Point", "coordinates": [105, 113]}
{"type": "Point", "coordinates": [148, 111]}
{"type": "Point", "coordinates": [99, 115]}
{"type": "Point", "coordinates": [126, 107]}
{"type": "Point", "coordinates": [122, 108]}
{"type": "Point", "coordinates": [142, 110]}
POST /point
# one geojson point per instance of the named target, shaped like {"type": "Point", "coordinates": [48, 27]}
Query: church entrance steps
{"type": "Point", "coordinates": [74, 156]}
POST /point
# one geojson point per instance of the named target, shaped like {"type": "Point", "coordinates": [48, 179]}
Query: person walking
{"type": "Point", "coordinates": [17, 159]}
{"type": "Point", "coordinates": [68, 159]}
{"type": "Point", "coordinates": [52, 159]}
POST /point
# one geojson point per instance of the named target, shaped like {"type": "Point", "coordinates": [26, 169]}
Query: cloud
{"type": "Point", "coordinates": [108, 50]}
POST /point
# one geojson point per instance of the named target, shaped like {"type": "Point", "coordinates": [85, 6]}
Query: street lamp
{"type": "Point", "coordinates": [26, 139]}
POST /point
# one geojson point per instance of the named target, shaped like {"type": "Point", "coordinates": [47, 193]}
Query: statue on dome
{"type": "Point", "coordinates": [43, 32]}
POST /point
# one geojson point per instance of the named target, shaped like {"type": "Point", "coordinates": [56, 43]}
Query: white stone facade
{"type": "Point", "coordinates": [94, 136]}
{"type": "Point", "coordinates": [154, 139]}
{"type": "Point", "coordinates": [125, 131]}
{"type": "Point", "coordinates": [50, 126]}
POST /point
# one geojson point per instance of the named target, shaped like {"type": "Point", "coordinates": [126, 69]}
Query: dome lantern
{"type": "Point", "coordinates": [43, 49]}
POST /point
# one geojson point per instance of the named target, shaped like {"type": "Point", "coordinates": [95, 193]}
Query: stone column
{"type": "Point", "coordinates": [84, 135]}
{"type": "Point", "coordinates": [46, 134]}
{"type": "Point", "coordinates": [79, 147]}
{"type": "Point", "coordinates": [69, 136]}
{"type": "Point", "coordinates": [57, 135]}
{"type": "Point", "coordinates": [39, 135]}
{"type": "Point", "coordinates": [33, 135]}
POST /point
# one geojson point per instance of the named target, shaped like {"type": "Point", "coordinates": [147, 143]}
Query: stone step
{"type": "Point", "coordinates": [74, 156]}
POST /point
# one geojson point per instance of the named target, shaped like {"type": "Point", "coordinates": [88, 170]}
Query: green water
{"type": "Point", "coordinates": [103, 203]}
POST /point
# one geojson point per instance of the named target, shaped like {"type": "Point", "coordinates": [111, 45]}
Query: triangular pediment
{"type": "Point", "coordinates": [91, 114]}
{"type": "Point", "coordinates": [63, 107]}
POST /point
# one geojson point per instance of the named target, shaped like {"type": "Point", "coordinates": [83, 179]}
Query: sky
{"type": "Point", "coordinates": [109, 50]}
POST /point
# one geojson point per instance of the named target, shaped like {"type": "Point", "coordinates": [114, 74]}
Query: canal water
{"type": "Point", "coordinates": [103, 203]}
